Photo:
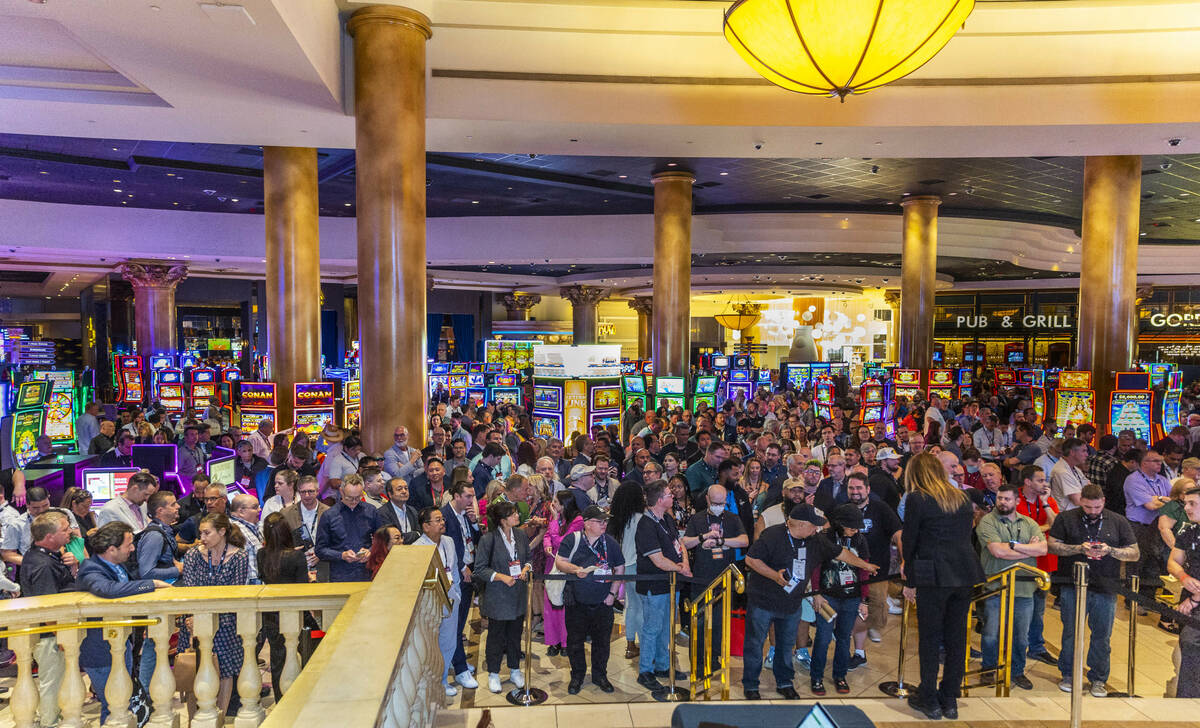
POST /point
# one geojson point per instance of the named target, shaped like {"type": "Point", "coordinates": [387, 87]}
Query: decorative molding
{"type": "Point", "coordinates": [584, 295]}
{"type": "Point", "coordinates": [517, 302]}
{"type": "Point", "coordinates": [644, 305]}
{"type": "Point", "coordinates": [152, 275]}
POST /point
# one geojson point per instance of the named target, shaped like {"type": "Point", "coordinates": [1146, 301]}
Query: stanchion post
{"type": "Point", "coordinates": [1135, 583]}
{"type": "Point", "coordinates": [672, 694]}
{"type": "Point", "coordinates": [1081, 588]}
{"type": "Point", "coordinates": [528, 696]}
{"type": "Point", "coordinates": [726, 619]}
{"type": "Point", "coordinates": [1006, 624]}
{"type": "Point", "coordinates": [898, 689]}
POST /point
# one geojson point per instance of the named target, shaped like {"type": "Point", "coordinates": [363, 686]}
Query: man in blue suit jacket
{"type": "Point", "coordinates": [103, 575]}
{"type": "Point", "coordinates": [463, 529]}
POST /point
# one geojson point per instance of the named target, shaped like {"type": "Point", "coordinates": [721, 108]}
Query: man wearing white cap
{"type": "Point", "coordinates": [581, 482]}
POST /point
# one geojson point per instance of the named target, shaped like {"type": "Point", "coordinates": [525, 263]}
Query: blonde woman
{"type": "Point", "coordinates": [941, 568]}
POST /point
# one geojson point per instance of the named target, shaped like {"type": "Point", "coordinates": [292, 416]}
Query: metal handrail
{"type": "Point", "coordinates": [1042, 578]}
{"type": "Point", "coordinates": [51, 628]}
{"type": "Point", "coordinates": [739, 585]}
{"type": "Point", "coordinates": [730, 579]}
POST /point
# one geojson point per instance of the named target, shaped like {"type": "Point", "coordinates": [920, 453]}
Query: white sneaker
{"type": "Point", "coordinates": [518, 679]}
{"type": "Point", "coordinates": [894, 607]}
{"type": "Point", "coordinates": [466, 679]}
{"type": "Point", "coordinates": [1099, 689]}
{"type": "Point", "coordinates": [451, 691]}
{"type": "Point", "coordinates": [494, 682]}
{"type": "Point", "coordinates": [874, 636]}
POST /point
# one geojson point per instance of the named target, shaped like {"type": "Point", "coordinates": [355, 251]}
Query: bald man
{"type": "Point", "coordinates": [243, 511]}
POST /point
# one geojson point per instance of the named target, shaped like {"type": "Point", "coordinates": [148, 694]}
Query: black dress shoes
{"type": "Point", "coordinates": [932, 711]}
{"type": "Point", "coordinates": [574, 686]}
{"type": "Point", "coordinates": [788, 693]}
{"type": "Point", "coordinates": [752, 695]}
{"type": "Point", "coordinates": [603, 684]}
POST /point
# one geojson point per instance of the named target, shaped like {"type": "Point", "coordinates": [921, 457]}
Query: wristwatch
{"type": "Point", "coordinates": [1012, 545]}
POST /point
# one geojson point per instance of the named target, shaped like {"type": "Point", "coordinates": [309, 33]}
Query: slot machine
{"type": "Point", "coordinates": [227, 378]}
{"type": "Point", "coordinates": [633, 389]}
{"type": "Point", "coordinates": [941, 383]}
{"type": "Point", "coordinates": [824, 389]}
{"type": "Point", "coordinates": [25, 425]}
{"type": "Point", "coordinates": [939, 354]}
{"type": "Point", "coordinates": [1005, 378]}
{"type": "Point", "coordinates": [705, 392]}
{"type": "Point", "coordinates": [604, 404]}
{"type": "Point", "coordinates": [739, 383]}
{"type": "Point", "coordinates": [476, 388]}
{"type": "Point", "coordinates": [1131, 405]}
{"type": "Point", "coordinates": [1169, 412]}
{"type": "Point", "coordinates": [352, 404]}
{"type": "Point", "coordinates": [60, 408]}
{"type": "Point", "coordinates": [870, 393]}
{"type": "Point", "coordinates": [1074, 400]}
{"type": "Point", "coordinates": [202, 387]}
{"type": "Point", "coordinates": [504, 389]}
{"type": "Point", "coordinates": [131, 388]}
{"type": "Point", "coordinates": [157, 363]}
{"type": "Point", "coordinates": [905, 383]}
{"type": "Point", "coordinates": [795, 377]}
{"type": "Point", "coordinates": [314, 405]}
{"type": "Point", "coordinates": [575, 388]}
{"type": "Point", "coordinates": [975, 355]}
{"type": "Point", "coordinates": [1033, 382]}
{"type": "Point", "coordinates": [170, 390]}
{"type": "Point", "coordinates": [457, 380]}
{"type": "Point", "coordinates": [671, 392]}
{"type": "Point", "coordinates": [1158, 372]}
{"type": "Point", "coordinates": [257, 402]}
{"type": "Point", "coordinates": [1014, 354]}
{"type": "Point", "coordinates": [966, 382]}
{"type": "Point", "coordinates": [439, 376]}
{"type": "Point", "coordinates": [647, 370]}
{"type": "Point", "coordinates": [764, 380]}
{"type": "Point", "coordinates": [547, 416]}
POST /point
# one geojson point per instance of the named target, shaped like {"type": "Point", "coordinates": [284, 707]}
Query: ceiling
{"type": "Point", "coordinates": [228, 178]}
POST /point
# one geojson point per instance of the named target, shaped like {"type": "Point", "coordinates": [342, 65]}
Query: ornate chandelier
{"type": "Point", "coordinates": [841, 47]}
{"type": "Point", "coordinates": [739, 315]}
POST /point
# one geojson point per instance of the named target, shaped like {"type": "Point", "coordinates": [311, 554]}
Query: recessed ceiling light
{"type": "Point", "coordinates": [115, 149]}
{"type": "Point", "coordinates": [491, 262]}
{"type": "Point", "coordinates": [474, 202]}
{"type": "Point", "coordinates": [234, 199]}
{"type": "Point", "coordinates": [170, 174]}
{"type": "Point", "coordinates": [117, 181]}
{"type": "Point", "coordinates": [346, 204]}
{"type": "Point", "coordinates": [174, 203]}
{"type": "Point", "coordinates": [117, 189]}
{"type": "Point", "coordinates": [41, 172]}
{"type": "Point", "coordinates": [724, 174]}
{"type": "Point", "coordinates": [1142, 234]}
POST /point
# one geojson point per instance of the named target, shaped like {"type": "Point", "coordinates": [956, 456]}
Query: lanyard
{"type": "Point", "coordinates": [1088, 529]}
{"type": "Point", "coordinates": [602, 557]}
{"type": "Point", "coordinates": [213, 570]}
{"type": "Point", "coordinates": [137, 513]}
{"type": "Point", "coordinates": [304, 521]}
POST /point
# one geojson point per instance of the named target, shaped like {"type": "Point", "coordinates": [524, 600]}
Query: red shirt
{"type": "Point", "coordinates": [1040, 513]}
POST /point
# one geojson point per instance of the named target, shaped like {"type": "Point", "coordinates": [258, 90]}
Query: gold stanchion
{"type": "Point", "coordinates": [1008, 609]}
{"type": "Point", "coordinates": [672, 694]}
{"type": "Point", "coordinates": [528, 696]}
{"type": "Point", "coordinates": [1135, 582]}
{"type": "Point", "coordinates": [898, 689]}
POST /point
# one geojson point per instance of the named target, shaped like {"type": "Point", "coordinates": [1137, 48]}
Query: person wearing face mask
{"type": "Point", "coordinates": [972, 462]}
{"type": "Point", "coordinates": [711, 536]}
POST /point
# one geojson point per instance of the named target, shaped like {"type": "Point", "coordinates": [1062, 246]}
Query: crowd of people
{"type": "Point", "coordinates": [835, 522]}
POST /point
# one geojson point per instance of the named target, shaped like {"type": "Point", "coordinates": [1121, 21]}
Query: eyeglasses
{"type": "Point", "coordinates": [213, 498]}
{"type": "Point", "coordinates": [308, 492]}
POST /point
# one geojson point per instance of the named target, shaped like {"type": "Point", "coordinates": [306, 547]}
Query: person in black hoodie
{"type": "Point", "coordinates": [940, 567]}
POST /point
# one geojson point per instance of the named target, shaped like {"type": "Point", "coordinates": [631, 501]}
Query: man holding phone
{"type": "Point", "coordinates": [344, 533]}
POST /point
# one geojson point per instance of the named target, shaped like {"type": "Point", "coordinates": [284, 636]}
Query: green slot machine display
{"type": "Point", "coordinates": [26, 424]}
{"type": "Point", "coordinates": [705, 393]}
{"type": "Point", "coordinates": [670, 392]}
{"type": "Point", "coordinates": [62, 407]}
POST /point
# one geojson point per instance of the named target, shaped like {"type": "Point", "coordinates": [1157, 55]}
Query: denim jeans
{"type": "Point", "coordinates": [1037, 639]}
{"type": "Point", "coordinates": [989, 642]}
{"type": "Point", "coordinates": [655, 655]}
{"type": "Point", "coordinates": [841, 627]}
{"type": "Point", "coordinates": [758, 621]}
{"type": "Point", "coordinates": [99, 675]}
{"type": "Point", "coordinates": [1101, 608]}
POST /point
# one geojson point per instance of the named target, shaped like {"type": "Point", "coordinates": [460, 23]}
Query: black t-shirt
{"type": "Point", "coordinates": [1188, 541]}
{"type": "Point", "coordinates": [6, 482]}
{"type": "Point", "coordinates": [778, 549]}
{"type": "Point", "coordinates": [1070, 527]}
{"type": "Point", "coordinates": [880, 524]}
{"type": "Point", "coordinates": [606, 554]}
{"type": "Point", "coordinates": [707, 563]}
{"type": "Point", "coordinates": [654, 536]}
{"type": "Point", "coordinates": [836, 574]}
{"type": "Point", "coordinates": [884, 486]}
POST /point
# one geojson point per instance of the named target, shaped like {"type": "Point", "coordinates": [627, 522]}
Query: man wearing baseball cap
{"type": "Point", "coordinates": [781, 561]}
{"type": "Point", "coordinates": [580, 480]}
{"type": "Point", "coordinates": [883, 477]}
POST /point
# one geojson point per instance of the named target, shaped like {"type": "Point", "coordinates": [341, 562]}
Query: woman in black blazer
{"type": "Point", "coordinates": [280, 562]}
{"type": "Point", "coordinates": [502, 563]}
{"type": "Point", "coordinates": [940, 569]}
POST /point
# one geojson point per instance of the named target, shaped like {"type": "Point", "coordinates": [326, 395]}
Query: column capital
{"type": "Point", "coordinates": [584, 295]}
{"type": "Point", "coordinates": [390, 15]}
{"type": "Point", "coordinates": [522, 302]}
{"type": "Point", "coordinates": [642, 304]}
{"type": "Point", "coordinates": [152, 275]}
{"type": "Point", "coordinates": [923, 199]}
{"type": "Point", "coordinates": [673, 175]}
{"type": "Point", "coordinates": [891, 298]}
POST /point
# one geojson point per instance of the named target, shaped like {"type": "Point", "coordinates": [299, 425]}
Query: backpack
{"type": "Point", "coordinates": [131, 566]}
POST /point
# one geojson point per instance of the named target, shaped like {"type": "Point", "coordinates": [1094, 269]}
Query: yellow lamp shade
{"type": "Point", "coordinates": [840, 47]}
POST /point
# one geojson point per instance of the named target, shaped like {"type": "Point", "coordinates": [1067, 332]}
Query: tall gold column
{"type": "Point", "coordinates": [293, 291]}
{"type": "Point", "coordinates": [918, 275]}
{"type": "Point", "coordinates": [644, 305]}
{"type": "Point", "coordinates": [672, 315]}
{"type": "Point", "coordinates": [389, 110]}
{"type": "Point", "coordinates": [1108, 271]}
{"type": "Point", "coordinates": [583, 311]}
{"type": "Point", "coordinates": [154, 304]}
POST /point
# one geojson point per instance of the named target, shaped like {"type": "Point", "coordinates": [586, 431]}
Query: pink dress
{"type": "Point", "coordinates": [554, 619]}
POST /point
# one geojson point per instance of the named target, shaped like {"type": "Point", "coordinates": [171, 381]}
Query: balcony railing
{"type": "Point", "coordinates": [378, 663]}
